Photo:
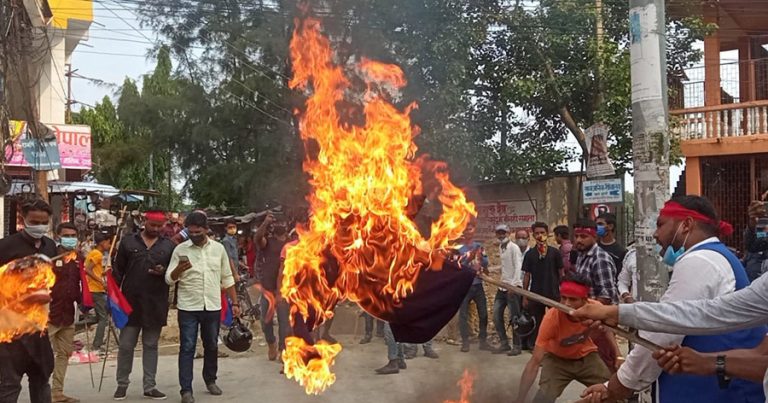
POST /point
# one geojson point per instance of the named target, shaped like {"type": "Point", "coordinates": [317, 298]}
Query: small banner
{"type": "Point", "coordinates": [598, 163]}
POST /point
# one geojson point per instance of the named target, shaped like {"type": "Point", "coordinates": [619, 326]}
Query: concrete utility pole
{"type": "Point", "coordinates": [650, 138]}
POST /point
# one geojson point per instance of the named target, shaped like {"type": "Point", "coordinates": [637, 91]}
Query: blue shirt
{"type": "Point", "coordinates": [230, 245]}
{"type": "Point", "coordinates": [465, 261]}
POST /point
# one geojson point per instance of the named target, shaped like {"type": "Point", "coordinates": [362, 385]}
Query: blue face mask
{"type": "Point", "coordinates": [671, 255]}
{"type": "Point", "coordinates": [68, 243]}
{"type": "Point", "coordinates": [601, 230]}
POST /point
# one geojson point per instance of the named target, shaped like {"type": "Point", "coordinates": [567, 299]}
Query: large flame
{"type": "Point", "coordinates": [365, 180]}
{"type": "Point", "coordinates": [465, 383]}
{"type": "Point", "coordinates": [22, 281]}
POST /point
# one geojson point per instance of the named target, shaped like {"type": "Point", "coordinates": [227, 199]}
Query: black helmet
{"type": "Point", "coordinates": [238, 338]}
{"type": "Point", "coordinates": [523, 324]}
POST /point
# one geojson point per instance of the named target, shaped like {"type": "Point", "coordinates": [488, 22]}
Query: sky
{"type": "Point", "coordinates": [118, 46]}
{"type": "Point", "coordinates": [113, 51]}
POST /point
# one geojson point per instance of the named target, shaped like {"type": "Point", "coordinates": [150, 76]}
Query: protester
{"type": "Point", "coordinates": [740, 310]}
{"type": "Point", "coordinates": [756, 241]}
{"type": "Point", "coordinates": [61, 319]}
{"type": "Point", "coordinates": [395, 354]}
{"type": "Point", "coordinates": [412, 350]}
{"type": "Point", "coordinates": [606, 233]}
{"type": "Point", "coordinates": [201, 269]}
{"type": "Point", "coordinates": [521, 240]}
{"type": "Point", "coordinates": [564, 348]}
{"type": "Point", "coordinates": [511, 273]}
{"type": "Point", "coordinates": [271, 246]}
{"type": "Point", "coordinates": [563, 238]}
{"type": "Point", "coordinates": [230, 242]}
{"type": "Point", "coordinates": [369, 321]}
{"type": "Point", "coordinates": [628, 279]}
{"type": "Point", "coordinates": [594, 262]}
{"type": "Point", "coordinates": [30, 354]}
{"type": "Point", "coordinates": [473, 257]}
{"type": "Point", "coordinates": [543, 268]}
{"type": "Point", "coordinates": [94, 270]}
{"type": "Point", "coordinates": [703, 268]}
{"type": "Point", "coordinates": [139, 268]}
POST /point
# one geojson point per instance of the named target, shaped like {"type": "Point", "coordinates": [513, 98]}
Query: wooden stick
{"type": "Point", "coordinates": [566, 309]}
{"type": "Point", "coordinates": [120, 224]}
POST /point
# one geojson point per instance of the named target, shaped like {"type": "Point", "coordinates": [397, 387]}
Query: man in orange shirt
{"type": "Point", "coordinates": [564, 349]}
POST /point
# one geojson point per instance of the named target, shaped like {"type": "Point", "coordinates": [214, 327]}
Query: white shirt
{"type": "Point", "coordinates": [700, 274]}
{"type": "Point", "coordinates": [628, 275]}
{"type": "Point", "coordinates": [200, 286]}
{"type": "Point", "coordinates": [511, 263]}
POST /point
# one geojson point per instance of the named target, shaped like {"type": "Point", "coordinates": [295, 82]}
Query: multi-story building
{"type": "Point", "coordinates": [720, 109]}
{"type": "Point", "coordinates": [56, 28]}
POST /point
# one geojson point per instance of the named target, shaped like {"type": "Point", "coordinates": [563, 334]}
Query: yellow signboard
{"type": "Point", "coordinates": [64, 10]}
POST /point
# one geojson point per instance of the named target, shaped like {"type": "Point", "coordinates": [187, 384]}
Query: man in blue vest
{"type": "Point", "coordinates": [687, 231]}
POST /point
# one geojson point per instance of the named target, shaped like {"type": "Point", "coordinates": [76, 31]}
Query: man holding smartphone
{"type": "Point", "coordinates": [201, 270]}
{"type": "Point", "coordinates": [139, 268]}
{"type": "Point", "coordinates": [756, 239]}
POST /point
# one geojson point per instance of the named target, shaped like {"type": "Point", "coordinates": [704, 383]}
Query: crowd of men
{"type": "Point", "coordinates": [588, 270]}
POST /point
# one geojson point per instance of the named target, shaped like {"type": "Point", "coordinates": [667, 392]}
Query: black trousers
{"type": "Point", "coordinates": [31, 355]}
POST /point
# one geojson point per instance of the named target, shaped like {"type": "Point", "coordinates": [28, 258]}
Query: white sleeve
{"type": "Point", "coordinates": [739, 310]}
{"type": "Point", "coordinates": [694, 278]}
{"type": "Point", "coordinates": [517, 264]}
{"type": "Point", "coordinates": [172, 266]}
{"type": "Point", "coordinates": [625, 280]}
{"type": "Point", "coordinates": [227, 279]}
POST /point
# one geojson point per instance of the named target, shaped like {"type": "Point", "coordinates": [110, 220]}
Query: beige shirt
{"type": "Point", "coordinates": [200, 286]}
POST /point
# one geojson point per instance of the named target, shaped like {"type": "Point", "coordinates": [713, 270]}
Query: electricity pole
{"type": "Point", "coordinates": [70, 101]}
{"type": "Point", "coordinates": [650, 138]}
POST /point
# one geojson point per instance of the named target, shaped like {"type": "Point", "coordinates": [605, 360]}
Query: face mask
{"type": "Point", "coordinates": [197, 239]}
{"type": "Point", "coordinates": [601, 230]}
{"type": "Point", "coordinates": [541, 239]}
{"type": "Point", "coordinates": [150, 233]}
{"type": "Point", "coordinates": [523, 243]}
{"type": "Point", "coordinates": [68, 243]}
{"type": "Point", "coordinates": [671, 255]}
{"type": "Point", "coordinates": [232, 231]}
{"type": "Point", "coordinates": [36, 231]}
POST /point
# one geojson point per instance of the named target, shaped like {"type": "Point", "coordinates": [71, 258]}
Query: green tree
{"type": "Point", "coordinates": [566, 77]}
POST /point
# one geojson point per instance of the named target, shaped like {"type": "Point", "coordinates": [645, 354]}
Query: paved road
{"type": "Point", "coordinates": [249, 377]}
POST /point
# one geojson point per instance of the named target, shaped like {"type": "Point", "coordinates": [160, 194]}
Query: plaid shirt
{"type": "Point", "coordinates": [598, 265]}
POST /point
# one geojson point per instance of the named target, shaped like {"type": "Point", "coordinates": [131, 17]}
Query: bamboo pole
{"type": "Point", "coordinates": [634, 338]}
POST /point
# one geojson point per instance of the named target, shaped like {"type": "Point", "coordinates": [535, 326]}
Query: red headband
{"type": "Point", "coordinates": [676, 210]}
{"type": "Point", "coordinates": [154, 215]}
{"type": "Point", "coordinates": [572, 289]}
{"type": "Point", "coordinates": [585, 231]}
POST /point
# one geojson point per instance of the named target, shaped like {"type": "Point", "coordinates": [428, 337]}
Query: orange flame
{"type": "Point", "coordinates": [465, 383]}
{"type": "Point", "coordinates": [310, 365]}
{"type": "Point", "coordinates": [24, 287]}
{"type": "Point", "coordinates": [365, 178]}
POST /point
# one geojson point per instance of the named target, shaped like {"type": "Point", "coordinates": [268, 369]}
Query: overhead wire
{"type": "Point", "coordinates": [155, 42]}
{"type": "Point", "coordinates": [240, 83]}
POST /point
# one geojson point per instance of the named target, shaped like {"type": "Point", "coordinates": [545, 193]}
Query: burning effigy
{"type": "Point", "coordinates": [24, 295]}
{"type": "Point", "coordinates": [367, 184]}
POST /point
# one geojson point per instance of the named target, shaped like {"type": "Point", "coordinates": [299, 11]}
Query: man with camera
{"type": "Point", "coordinates": [756, 239]}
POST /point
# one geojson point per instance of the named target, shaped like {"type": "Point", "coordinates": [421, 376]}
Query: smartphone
{"type": "Point", "coordinates": [761, 228]}
{"type": "Point", "coordinates": [183, 258]}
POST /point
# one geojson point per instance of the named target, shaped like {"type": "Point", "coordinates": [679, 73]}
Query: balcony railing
{"type": "Point", "coordinates": [730, 120]}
